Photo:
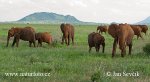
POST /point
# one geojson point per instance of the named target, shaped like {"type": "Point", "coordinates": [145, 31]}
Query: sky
{"type": "Point", "coordinates": [101, 11]}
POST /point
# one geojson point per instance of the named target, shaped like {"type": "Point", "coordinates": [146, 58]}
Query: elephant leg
{"type": "Point", "coordinates": [17, 42]}
{"type": "Point", "coordinates": [122, 55]}
{"type": "Point", "coordinates": [68, 39]}
{"type": "Point", "coordinates": [14, 41]}
{"type": "Point", "coordinates": [40, 44]}
{"type": "Point", "coordinates": [130, 48]}
{"type": "Point", "coordinates": [30, 43]}
{"type": "Point", "coordinates": [34, 43]}
{"type": "Point", "coordinates": [72, 40]}
{"type": "Point", "coordinates": [63, 39]}
{"type": "Point", "coordinates": [138, 37]}
{"type": "Point", "coordinates": [97, 47]}
{"type": "Point", "coordinates": [114, 47]}
{"type": "Point", "coordinates": [103, 44]}
{"type": "Point", "coordinates": [90, 49]}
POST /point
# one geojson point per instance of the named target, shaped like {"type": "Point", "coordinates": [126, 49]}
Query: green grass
{"type": "Point", "coordinates": [72, 63]}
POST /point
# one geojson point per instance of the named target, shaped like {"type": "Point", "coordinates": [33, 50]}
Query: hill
{"type": "Point", "coordinates": [46, 17]}
{"type": "Point", "coordinates": [145, 21]}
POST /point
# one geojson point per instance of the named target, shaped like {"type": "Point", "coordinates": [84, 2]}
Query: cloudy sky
{"type": "Point", "coordinates": [106, 11]}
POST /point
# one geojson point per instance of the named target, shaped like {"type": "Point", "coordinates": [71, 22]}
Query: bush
{"type": "Point", "coordinates": [146, 49]}
{"type": "Point", "coordinates": [101, 77]}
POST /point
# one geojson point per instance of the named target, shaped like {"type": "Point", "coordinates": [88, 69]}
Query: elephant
{"type": "Point", "coordinates": [144, 28]}
{"type": "Point", "coordinates": [26, 34]}
{"type": "Point", "coordinates": [95, 40]}
{"type": "Point", "coordinates": [137, 30]}
{"type": "Point", "coordinates": [68, 33]}
{"type": "Point", "coordinates": [122, 34]}
{"type": "Point", "coordinates": [102, 29]}
{"type": "Point", "coordinates": [43, 37]}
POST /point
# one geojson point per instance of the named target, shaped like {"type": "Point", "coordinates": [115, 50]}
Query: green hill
{"type": "Point", "coordinates": [46, 17]}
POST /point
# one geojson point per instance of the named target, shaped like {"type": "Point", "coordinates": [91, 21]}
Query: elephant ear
{"type": "Point", "coordinates": [113, 30]}
{"type": "Point", "coordinates": [98, 27]}
{"type": "Point", "coordinates": [139, 28]}
{"type": "Point", "coordinates": [62, 27]}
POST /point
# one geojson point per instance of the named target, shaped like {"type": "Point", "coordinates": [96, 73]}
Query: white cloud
{"type": "Point", "coordinates": [10, 2]}
{"type": "Point", "coordinates": [129, 11]}
{"type": "Point", "coordinates": [78, 3]}
{"type": "Point", "coordinates": [95, 1]}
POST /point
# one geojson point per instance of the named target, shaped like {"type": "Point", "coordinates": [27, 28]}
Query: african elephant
{"type": "Point", "coordinates": [26, 34]}
{"type": "Point", "coordinates": [137, 30]}
{"type": "Point", "coordinates": [68, 33]}
{"type": "Point", "coordinates": [122, 34]}
{"type": "Point", "coordinates": [95, 40]}
{"type": "Point", "coordinates": [102, 29]}
{"type": "Point", "coordinates": [43, 37]}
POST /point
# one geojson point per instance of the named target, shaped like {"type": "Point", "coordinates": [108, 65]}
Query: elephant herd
{"type": "Point", "coordinates": [121, 33]}
{"type": "Point", "coordinates": [29, 34]}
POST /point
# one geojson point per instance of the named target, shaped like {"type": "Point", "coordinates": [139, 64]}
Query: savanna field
{"type": "Point", "coordinates": [71, 63]}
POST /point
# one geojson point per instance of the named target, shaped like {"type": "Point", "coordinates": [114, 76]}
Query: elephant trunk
{"type": "Point", "coordinates": [8, 37]}
{"type": "Point", "coordinates": [145, 33]}
{"type": "Point", "coordinates": [97, 30]}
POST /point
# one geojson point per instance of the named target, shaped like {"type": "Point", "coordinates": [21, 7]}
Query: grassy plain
{"type": "Point", "coordinates": [72, 63]}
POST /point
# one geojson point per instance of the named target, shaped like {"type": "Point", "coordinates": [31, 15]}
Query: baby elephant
{"type": "Point", "coordinates": [95, 40]}
{"type": "Point", "coordinates": [43, 37]}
